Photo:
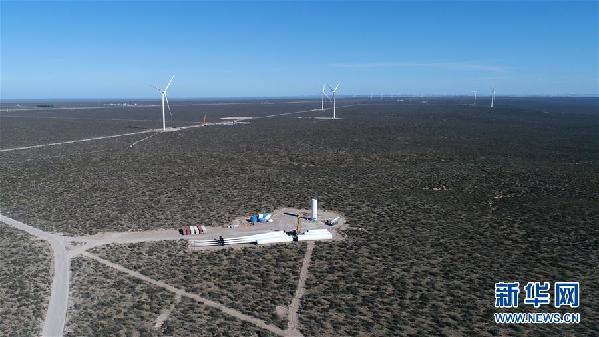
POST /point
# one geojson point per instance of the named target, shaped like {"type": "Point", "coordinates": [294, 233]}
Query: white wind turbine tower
{"type": "Point", "coordinates": [493, 99]}
{"type": "Point", "coordinates": [334, 91]}
{"type": "Point", "coordinates": [164, 98]}
{"type": "Point", "coordinates": [474, 91]}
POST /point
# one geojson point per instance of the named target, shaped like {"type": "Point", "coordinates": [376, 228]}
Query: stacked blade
{"type": "Point", "coordinates": [315, 234]}
{"type": "Point", "coordinates": [265, 238]}
{"type": "Point", "coordinates": [270, 237]}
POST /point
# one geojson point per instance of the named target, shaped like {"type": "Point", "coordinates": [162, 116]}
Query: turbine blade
{"type": "Point", "coordinates": [168, 106]}
{"type": "Point", "coordinates": [169, 83]}
{"type": "Point", "coordinates": [337, 86]}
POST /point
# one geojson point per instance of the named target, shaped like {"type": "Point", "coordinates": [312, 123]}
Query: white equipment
{"type": "Point", "coordinates": [314, 216]}
{"type": "Point", "coordinates": [493, 99]}
{"type": "Point", "coordinates": [474, 91]}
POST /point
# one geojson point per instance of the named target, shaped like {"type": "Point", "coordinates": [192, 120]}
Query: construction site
{"type": "Point", "coordinates": [283, 225]}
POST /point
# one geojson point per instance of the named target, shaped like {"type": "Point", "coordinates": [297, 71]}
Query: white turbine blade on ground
{"type": "Point", "coordinates": [169, 83]}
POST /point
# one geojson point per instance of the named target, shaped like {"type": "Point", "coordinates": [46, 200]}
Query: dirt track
{"type": "Point", "coordinates": [59, 296]}
{"type": "Point", "coordinates": [292, 316]}
{"type": "Point", "coordinates": [74, 141]}
{"type": "Point", "coordinates": [229, 311]}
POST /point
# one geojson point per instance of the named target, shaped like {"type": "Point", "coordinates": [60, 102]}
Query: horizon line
{"type": "Point", "coordinates": [314, 96]}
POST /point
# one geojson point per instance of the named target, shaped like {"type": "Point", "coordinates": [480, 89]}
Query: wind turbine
{"type": "Point", "coordinates": [164, 98]}
{"type": "Point", "coordinates": [493, 99]}
{"type": "Point", "coordinates": [322, 95]}
{"type": "Point", "coordinates": [474, 91]}
{"type": "Point", "coordinates": [334, 91]}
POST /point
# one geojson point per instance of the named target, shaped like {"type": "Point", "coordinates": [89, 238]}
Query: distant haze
{"type": "Point", "coordinates": [275, 49]}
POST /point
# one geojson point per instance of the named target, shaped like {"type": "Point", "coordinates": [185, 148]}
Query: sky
{"type": "Point", "coordinates": [98, 49]}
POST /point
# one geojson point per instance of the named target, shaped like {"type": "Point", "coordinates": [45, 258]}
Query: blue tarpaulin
{"type": "Point", "coordinates": [260, 217]}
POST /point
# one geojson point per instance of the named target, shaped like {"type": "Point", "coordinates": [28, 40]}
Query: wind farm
{"type": "Point", "coordinates": [234, 169]}
{"type": "Point", "coordinates": [97, 147]}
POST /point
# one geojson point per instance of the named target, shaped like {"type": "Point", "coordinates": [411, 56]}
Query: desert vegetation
{"type": "Point", "coordinates": [25, 278]}
{"type": "Point", "coordinates": [105, 302]}
{"type": "Point", "coordinates": [38, 125]}
{"type": "Point", "coordinates": [211, 175]}
{"type": "Point", "coordinates": [443, 200]}
{"type": "Point", "coordinates": [190, 319]}
{"type": "Point", "coordinates": [253, 280]}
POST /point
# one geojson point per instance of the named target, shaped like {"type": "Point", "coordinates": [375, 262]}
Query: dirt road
{"type": "Point", "coordinates": [59, 296]}
{"type": "Point", "coordinates": [292, 316]}
{"type": "Point", "coordinates": [74, 141]}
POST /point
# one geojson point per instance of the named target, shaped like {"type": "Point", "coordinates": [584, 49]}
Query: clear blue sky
{"type": "Point", "coordinates": [116, 49]}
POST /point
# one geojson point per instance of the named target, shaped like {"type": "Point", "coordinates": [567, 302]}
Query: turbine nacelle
{"type": "Point", "coordinates": [335, 89]}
